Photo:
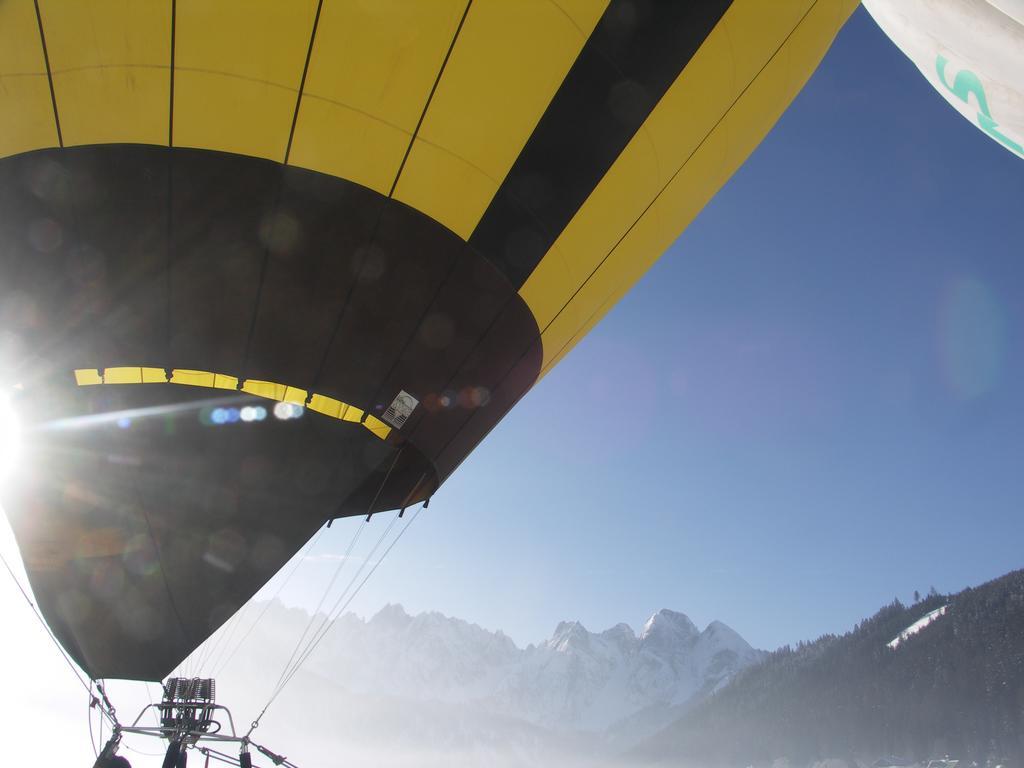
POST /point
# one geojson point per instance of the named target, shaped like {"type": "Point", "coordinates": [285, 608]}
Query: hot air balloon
{"type": "Point", "coordinates": [264, 264]}
{"type": "Point", "coordinates": [971, 53]}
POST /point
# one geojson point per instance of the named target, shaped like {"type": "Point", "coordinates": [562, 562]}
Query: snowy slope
{"type": "Point", "coordinates": [917, 626]}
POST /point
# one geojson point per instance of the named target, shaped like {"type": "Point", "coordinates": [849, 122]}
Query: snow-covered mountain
{"type": "Point", "coordinates": [590, 681]}
{"type": "Point", "coordinates": [577, 681]}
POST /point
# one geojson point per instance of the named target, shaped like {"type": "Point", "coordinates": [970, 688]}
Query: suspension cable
{"type": "Point", "coordinates": [208, 649]}
{"type": "Point", "coordinates": [216, 650]}
{"type": "Point", "coordinates": [328, 619]}
{"type": "Point", "coordinates": [46, 628]}
{"type": "Point", "coordinates": [221, 757]}
{"type": "Point", "coordinates": [336, 612]}
{"type": "Point", "coordinates": [105, 705]}
{"type": "Point", "coordinates": [100, 739]}
{"type": "Point", "coordinates": [341, 565]}
{"type": "Point", "coordinates": [312, 618]}
{"type": "Point", "coordinates": [373, 550]}
{"type": "Point", "coordinates": [222, 660]}
{"type": "Point", "coordinates": [88, 712]}
{"type": "Point", "coordinates": [315, 617]}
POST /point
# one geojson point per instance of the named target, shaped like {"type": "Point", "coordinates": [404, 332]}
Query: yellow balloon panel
{"type": "Point", "coordinates": [446, 187]}
{"type": "Point", "coordinates": [632, 257]}
{"type": "Point", "coordinates": [702, 94]}
{"type": "Point", "coordinates": [505, 68]}
{"type": "Point", "coordinates": [370, 73]}
{"type": "Point", "coordinates": [717, 156]}
{"type": "Point", "coordinates": [238, 65]}
{"type": "Point", "coordinates": [110, 62]}
{"type": "Point", "coordinates": [583, 13]}
{"type": "Point", "coordinates": [26, 110]}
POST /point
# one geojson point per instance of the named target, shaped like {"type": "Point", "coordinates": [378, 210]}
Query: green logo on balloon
{"type": "Point", "coordinates": [964, 84]}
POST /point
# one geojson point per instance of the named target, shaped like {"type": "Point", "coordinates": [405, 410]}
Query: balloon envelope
{"type": "Point", "coordinates": [379, 224]}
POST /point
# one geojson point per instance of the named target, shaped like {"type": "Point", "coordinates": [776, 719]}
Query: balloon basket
{"type": "Point", "coordinates": [190, 719]}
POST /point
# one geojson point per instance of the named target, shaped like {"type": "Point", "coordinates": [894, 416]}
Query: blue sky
{"type": "Point", "coordinates": [827, 394]}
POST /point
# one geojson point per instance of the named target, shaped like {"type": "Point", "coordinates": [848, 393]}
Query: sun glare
{"type": "Point", "coordinates": [10, 436]}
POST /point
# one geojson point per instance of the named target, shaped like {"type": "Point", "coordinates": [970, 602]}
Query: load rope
{"type": "Point", "coordinates": [313, 616]}
{"type": "Point", "coordinates": [109, 713]}
{"type": "Point", "coordinates": [336, 611]}
{"type": "Point", "coordinates": [222, 663]}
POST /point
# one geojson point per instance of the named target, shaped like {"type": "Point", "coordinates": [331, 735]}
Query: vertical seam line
{"type": "Point", "coordinates": [49, 75]}
{"type": "Point", "coordinates": [430, 97]}
{"type": "Point", "coordinates": [302, 81]}
{"type": "Point", "coordinates": [170, 108]}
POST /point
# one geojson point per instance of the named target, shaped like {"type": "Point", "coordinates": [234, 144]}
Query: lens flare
{"type": "Point", "coordinates": [10, 436]}
{"type": "Point", "coordinates": [285, 411]}
{"type": "Point", "coordinates": [972, 343]}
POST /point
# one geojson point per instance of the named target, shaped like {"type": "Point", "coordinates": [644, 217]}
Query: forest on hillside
{"type": "Point", "coordinates": [955, 688]}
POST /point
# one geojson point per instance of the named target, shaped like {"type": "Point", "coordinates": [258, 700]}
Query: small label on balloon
{"type": "Point", "coordinates": [400, 410]}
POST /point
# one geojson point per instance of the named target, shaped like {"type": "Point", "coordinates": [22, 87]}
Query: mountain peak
{"type": "Point", "coordinates": [569, 635]}
{"type": "Point", "coordinates": [672, 626]}
{"type": "Point", "coordinates": [567, 628]}
{"type": "Point", "coordinates": [392, 616]}
{"type": "Point", "coordinates": [619, 630]}
{"type": "Point", "coordinates": [722, 631]}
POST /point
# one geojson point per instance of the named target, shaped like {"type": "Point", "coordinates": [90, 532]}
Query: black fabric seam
{"type": "Point", "coordinates": [416, 326]}
{"type": "Point", "coordinates": [49, 74]}
{"type": "Point", "coordinates": [168, 281]}
{"type": "Point", "coordinates": [430, 97]}
{"type": "Point", "coordinates": [170, 108]}
{"type": "Point", "coordinates": [302, 80]}
{"type": "Point", "coordinates": [163, 574]}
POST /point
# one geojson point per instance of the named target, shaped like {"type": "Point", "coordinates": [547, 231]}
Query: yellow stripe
{"type": "Point", "coordinates": [221, 381]}
{"type": "Point", "coordinates": [377, 427]}
{"type": "Point", "coordinates": [371, 70]}
{"type": "Point", "coordinates": [335, 408]}
{"type": "Point", "coordinates": [198, 379]}
{"type": "Point", "coordinates": [238, 64]}
{"type": "Point", "coordinates": [679, 159]}
{"type": "Point", "coordinates": [505, 68]}
{"type": "Point", "coordinates": [270, 390]}
{"type": "Point", "coordinates": [26, 112]}
{"type": "Point", "coordinates": [134, 376]}
{"type": "Point", "coordinates": [122, 376]}
{"type": "Point", "coordinates": [351, 413]}
{"type": "Point", "coordinates": [192, 378]}
{"type": "Point", "coordinates": [154, 376]}
{"type": "Point", "coordinates": [267, 389]}
{"type": "Point", "coordinates": [85, 377]}
{"type": "Point", "coordinates": [328, 406]}
{"type": "Point", "coordinates": [110, 61]}
{"type": "Point", "coordinates": [295, 395]}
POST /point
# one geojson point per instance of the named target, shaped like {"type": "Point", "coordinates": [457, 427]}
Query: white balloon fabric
{"type": "Point", "coordinates": [971, 51]}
